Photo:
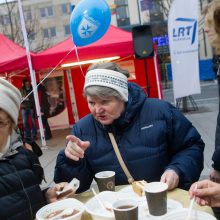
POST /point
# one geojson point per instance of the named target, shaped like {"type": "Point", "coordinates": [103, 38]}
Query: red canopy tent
{"type": "Point", "coordinates": [115, 42]}
{"type": "Point", "coordinates": [13, 57]}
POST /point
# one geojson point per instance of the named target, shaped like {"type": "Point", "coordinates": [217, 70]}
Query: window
{"type": "Point", "coordinates": [46, 12]}
{"type": "Point", "coordinates": [32, 36]}
{"type": "Point", "coordinates": [122, 13]}
{"type": "Point", "coordinates": [66, 9]}
{"type": "Point", "coordinates": [49, 32]}
{"type": "Point", "coordinates": [67, 29]}
{"type": "Point", "coordinates": [5, 19]}
{"type": "Point", "coordinates": [27, 15]}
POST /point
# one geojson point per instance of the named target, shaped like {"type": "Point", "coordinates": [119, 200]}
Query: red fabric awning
{"type": "Point", "coordinates": [13, 57]}
{"type": "Point", "coordinates": [115, 42]}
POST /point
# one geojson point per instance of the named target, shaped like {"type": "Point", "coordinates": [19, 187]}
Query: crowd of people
{"type": "Point", "coordinates": [156, 141]}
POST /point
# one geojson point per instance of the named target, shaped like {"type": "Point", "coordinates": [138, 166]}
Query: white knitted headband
{"type": "Point", "coordinates": [108, 78]}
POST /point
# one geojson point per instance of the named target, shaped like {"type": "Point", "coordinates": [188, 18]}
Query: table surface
{"type": "Point", "coordinates": [177, 194]}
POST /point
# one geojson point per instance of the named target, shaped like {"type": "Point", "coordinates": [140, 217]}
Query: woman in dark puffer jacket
{"type": "Point", "coordinates": [156, 142]}
{"type": "Point", "coordinates": [20, 170]}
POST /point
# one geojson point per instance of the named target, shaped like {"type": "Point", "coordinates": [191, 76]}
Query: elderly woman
{"type": "Point", "coordinates": [156, 141]}
{"type": "Point", "coordinates": [20, 170]}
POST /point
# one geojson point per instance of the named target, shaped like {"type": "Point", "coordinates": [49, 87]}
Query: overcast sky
{"type": "Point", "coordinates": [3, 1]}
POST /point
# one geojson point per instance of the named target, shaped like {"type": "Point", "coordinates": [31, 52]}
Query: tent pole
{"type": "Point", "coordinates": [32, 74]}
{"type": "Point", "coordinates": [157, 74]}
{"type": "Point", "coordinates": [72, 95]}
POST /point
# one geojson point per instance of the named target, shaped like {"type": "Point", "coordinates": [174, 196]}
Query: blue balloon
{"type": "Point", "coordinates": [89, 21]}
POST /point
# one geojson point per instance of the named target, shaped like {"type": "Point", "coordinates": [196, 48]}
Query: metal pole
{"type": "Point", "coordinates": [156, 73]}
{"type": "Point", "coordinates": [32, 74]}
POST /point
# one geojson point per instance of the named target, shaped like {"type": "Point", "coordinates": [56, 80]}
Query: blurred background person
{"type": "Point", "coordinates": [45, 110]}
{"type": "Point", "coordinates": [28, 110]}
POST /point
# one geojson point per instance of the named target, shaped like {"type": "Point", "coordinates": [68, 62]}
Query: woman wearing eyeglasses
{"type": "Point", "coordinates": [20, 170]}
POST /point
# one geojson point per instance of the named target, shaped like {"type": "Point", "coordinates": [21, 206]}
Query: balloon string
{"type": "Point", "coordinates": [48, 74]}
{"type": "Point", "coordinates": [77, 56]}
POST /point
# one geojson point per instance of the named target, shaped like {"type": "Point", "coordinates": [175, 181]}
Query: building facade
{"type": "Point", "coordinates": [48, 21]}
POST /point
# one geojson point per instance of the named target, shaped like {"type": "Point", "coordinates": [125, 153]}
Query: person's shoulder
{"type": "Point", "coordinates": [85, 120]}
{"type": "Point", "coordinates": [157, 103]}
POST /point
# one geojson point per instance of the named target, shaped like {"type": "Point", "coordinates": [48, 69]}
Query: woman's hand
{"type": "Point", "coordinates": [207, 193]}
{"type": "Point", "coordinates": [171, 178]}
{"type": "Point", "coordinates": [75, 148]}
{"type": "Point", "coordinates": [52, 196]}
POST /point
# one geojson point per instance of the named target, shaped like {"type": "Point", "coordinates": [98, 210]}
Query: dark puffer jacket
{"type": "Point", "coordinates": [152, 136]}
{"type": "Point", "coordinates": [20, 194]}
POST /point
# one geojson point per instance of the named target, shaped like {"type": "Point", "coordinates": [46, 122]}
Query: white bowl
{"type": "Point", "coordinates": [98, 213]}
{"type": "Point", "coordinates": [182, 213]}
{"type": "Point", "coordinates": [61, 205]}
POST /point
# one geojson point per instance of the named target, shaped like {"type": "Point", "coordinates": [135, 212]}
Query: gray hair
{"type": "Point", "coordinates": [102, 91]}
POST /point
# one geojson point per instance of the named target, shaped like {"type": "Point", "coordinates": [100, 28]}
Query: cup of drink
{"type": "Point", "coordinates": [105, 180]}
{"type": "Point", "coordinates": [156, 195]}
{"type": "Point", "coordinates": [125, 209]}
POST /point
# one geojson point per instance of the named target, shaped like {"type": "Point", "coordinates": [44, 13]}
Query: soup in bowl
{"type": "Point", "coordinates": [66, 209]}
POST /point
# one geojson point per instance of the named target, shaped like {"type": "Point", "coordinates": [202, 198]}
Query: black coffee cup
{"type": "Point", "coordinates": [156, 195]}
{"type": "Point", "coordinates": [125, 209]}
{"type": "Point", "coordinates": [105, 180]}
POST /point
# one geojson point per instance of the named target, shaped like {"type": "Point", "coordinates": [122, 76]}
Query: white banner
{"type": "Point", "coordinates": [183, 41]}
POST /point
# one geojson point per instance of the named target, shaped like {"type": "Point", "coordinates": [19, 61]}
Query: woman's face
{"type": "Point", "coordinates": [5, 128]}
{"type": "Point", "coordinates": [209, 29]}
{"type": "Point", "coordinates": [105, 110]}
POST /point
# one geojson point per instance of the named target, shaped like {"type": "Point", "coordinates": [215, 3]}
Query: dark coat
{"type": "Point", "coordinates": [216, 154]}
{"type": "Point", "coordinates": [29, 102]}
{"type": "Point", "coordinates": [20, 193]}
{"type": "Point", "coordinates": [152, 136]}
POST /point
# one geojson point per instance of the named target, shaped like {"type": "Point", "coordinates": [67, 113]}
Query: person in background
{"type": "Point", "coordinates": [20, 170]}
{"type": "Point", "coordinates": [155, 140]}
{"type": "Point", "coordinates": [212, 30]}
{"type": "Point", "coordinates": [28, 110]}
{"type": "Point", "coordinates": [45, 110]}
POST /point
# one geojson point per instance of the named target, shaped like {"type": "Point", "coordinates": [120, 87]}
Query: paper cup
{"type": "Point", "coordinates": [156, 195]}
{"type": "Point", "coordinates": [105, 180]}
{"type": "Point", "coordinates": [125, 209]}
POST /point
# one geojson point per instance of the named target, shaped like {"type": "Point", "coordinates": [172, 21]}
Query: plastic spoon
{"type": "Point", "coordinates": [105, 205]}
{"type": "Point", "coordinates": [191, 206]}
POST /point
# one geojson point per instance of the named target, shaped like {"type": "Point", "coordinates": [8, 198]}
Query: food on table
{"type": "Point", "coordinates": [57, 212]}
{"type": "Point", "coordinates": [138, 187]}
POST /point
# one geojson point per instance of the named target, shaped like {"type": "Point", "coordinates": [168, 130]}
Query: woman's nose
{"type": "Point", "coordinates": [98, 109]}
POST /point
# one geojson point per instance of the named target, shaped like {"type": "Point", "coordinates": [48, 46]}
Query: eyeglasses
{"type": "Point", "coordinates": [3, 124]}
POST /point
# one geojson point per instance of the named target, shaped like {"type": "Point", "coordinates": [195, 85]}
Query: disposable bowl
{"type": "Point", "coordinates": [181, 214]}
{"type": "Point", "coordinates": [61, 205]}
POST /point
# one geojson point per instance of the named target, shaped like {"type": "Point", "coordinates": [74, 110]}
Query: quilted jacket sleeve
{"type": "Point", "coordinates": [67, 169]}
{"type": "Point", "coordinates": [186, 148]}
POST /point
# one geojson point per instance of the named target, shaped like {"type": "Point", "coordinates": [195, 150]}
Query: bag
{"type": "Point", "coordinates": [35, 147]}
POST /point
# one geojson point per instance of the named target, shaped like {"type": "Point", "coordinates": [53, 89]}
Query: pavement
{"type": "Point", "coordinates": [204, 119]}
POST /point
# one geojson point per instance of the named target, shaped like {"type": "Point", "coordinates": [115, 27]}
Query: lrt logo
{"type": "Point", "coordinates": [187, 31]}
